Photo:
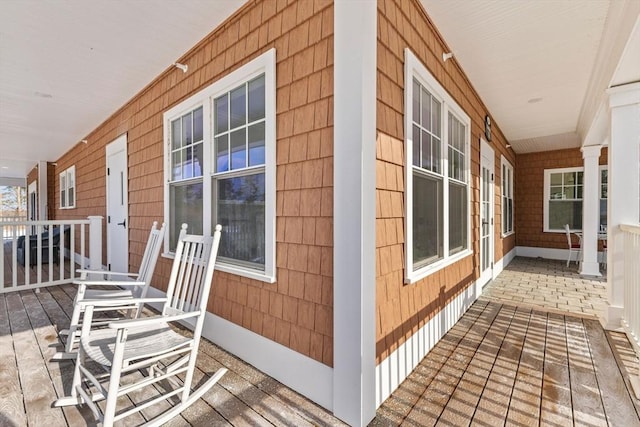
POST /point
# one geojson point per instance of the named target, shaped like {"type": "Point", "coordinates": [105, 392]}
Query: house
{"type": "Point", "coordinates": [366, 191]}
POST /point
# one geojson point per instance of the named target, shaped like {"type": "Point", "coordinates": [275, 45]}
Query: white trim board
{"type": "Point", "coordinates": [503, 262]}
{"type": "Point", "coordinates": [546, 253]}
{"type": "Point", "coordinates": [301, 373]}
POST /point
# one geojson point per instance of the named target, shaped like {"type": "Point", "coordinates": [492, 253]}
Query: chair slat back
{"type": "Point", "coordinates": [191, 273]}
{"type": "Point", "coordinates": [150, 256]}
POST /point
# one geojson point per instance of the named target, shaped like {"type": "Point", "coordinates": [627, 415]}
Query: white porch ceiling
{"type": "Point", "coordinates": [67, 65]}
{"type": "Point", "coordinates": [541, 66]}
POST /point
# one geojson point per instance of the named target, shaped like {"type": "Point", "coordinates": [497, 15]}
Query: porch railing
{"type": "Point", "coordinates": [631, 311]}
{"type": "Point", "coordinates": [34, 254]}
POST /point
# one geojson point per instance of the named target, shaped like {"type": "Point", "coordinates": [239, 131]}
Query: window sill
{"type": "Point", "coordinates": [426, 271]}
{"type": "Point", "coordinates": [505, 235]}
{"type": "Point", "coordinates": [234, 269]}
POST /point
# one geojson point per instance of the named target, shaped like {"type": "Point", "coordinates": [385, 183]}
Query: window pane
{"type": "Point", "coordinates": [505, 212]}
{"type": "Point", "coordinates": [556, 193]}
{"type": "Point", "coordinates": [569, 193]}
{"type": "Point", "coordinates": [175, 134]}
{"type": "Point", "coordinates": [71, 197]}
{"type": "Point", "coordinates": [238, 149]}
{"type": "Point", "coordinates": [510, 216]}
{"type": "Point", "coordinates": [556, 179]}
{"type": "Point", "coordinates": [427, 162]}
{"type": "Point", "coordinates": [603, 212]}
{"type": "Point", "coordinates": [238, 107]}
{"type": "Point", "coordinates": [197, 125]}
{"type": "Point", "coordinates": [457, 218]}
{"type": "Point", "coordinates": [435, 117]}
{"type": "Point", "coordinates": [416, 101]}
{"type": "Point", "coordinates": [427, 220]}
{"type": "Point", "coordinates": [416, 145]}
{"type": "Point", "coordinates": [222, 153]}
{"type": "Point", "coordinates": [579, 177]}
{"type": "Point", "coordinates": [187, 137]}
{"type": "Point", "coordinates": [426, 110]}
{"type": "Point", "coordinates": [435, 154]}
{"type": "Point", "coordinates": [256, 144]}
{"type": "Point", "coordinates": [192, 161]}
{"type": "Point", "coordinates": [563, 212]}
{"type": "Point", "coordinates": [221, 114]}
{"type": "Point", "coordinates": [186, 207]}
{"type": "Point", "coordinates": [240, 211]}
{"type": "Point", "coordinates": [256, 99]}
{"type": "Point", "coordinates": [604, 177]}
{"type": "Point", "coordinates": [63, 198]}
{"type": "Point", "coordinates": [176, 170]}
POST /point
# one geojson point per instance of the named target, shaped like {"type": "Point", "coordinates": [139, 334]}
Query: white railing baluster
{"type": "Point", "coordinates": [34, 242]}
{"type": "Point", "coordinates": [631, 280]}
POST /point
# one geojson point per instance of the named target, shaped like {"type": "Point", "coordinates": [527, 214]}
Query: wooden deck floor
{"type": "Point", "coordinates": [505, 365]}
{"type": "Point", "coordinates": [30, 382]}
{"type": "Point", "coordinates": [499, 365]}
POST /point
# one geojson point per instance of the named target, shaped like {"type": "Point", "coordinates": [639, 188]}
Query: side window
{"type": "Point", "coordinates": [220, 167]}
{"type": "Point", "coordinates": [438, 191]}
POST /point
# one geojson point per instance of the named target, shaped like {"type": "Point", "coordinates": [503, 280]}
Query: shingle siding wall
{"type": "Point", "coordinates": [529, 195]}
{"type": "Point", "coordinates": [297, 311]}
{"type": "Point", "coordinates": [403, 309]}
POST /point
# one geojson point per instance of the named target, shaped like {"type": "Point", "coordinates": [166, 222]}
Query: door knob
{"type": "Point", "coordinates": [123, 223]}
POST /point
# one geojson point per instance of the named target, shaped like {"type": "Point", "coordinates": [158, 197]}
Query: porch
{"type": "Point", "coordinates": [522, 362]}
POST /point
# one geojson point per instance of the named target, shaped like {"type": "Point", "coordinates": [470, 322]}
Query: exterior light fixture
{"type": "Point", "coordinates": [446, 56]}
{"type": "Point", "coordinates": [183, 67]}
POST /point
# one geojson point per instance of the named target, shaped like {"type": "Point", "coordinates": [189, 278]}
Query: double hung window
{"type": "Point", "coordinates": [507, 197]}
{"type": "Point", "coordinates": [68, 188]}
{"type": "Point", "coordinates": [221, 167]}
{"type": "Point", "coordinates": [437, 192]}
{"type": "Point", "coordinates": [563, 198]}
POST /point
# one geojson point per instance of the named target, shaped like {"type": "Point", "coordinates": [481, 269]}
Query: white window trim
{"type": "Point", "coordinates": [67, 173]}
{"type": "Point", "coordinates": [505, 163]}
{"type": "Point", "coordinates": [547, 193]}
{"type": "Point", "coordinates": [415, 69]}
{"type": "Point", "coordinates": [265, 63]}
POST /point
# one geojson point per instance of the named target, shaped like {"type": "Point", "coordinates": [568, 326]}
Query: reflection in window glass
{"type": "Point", "coordinates": [186, 207]}
{"type": "Point", "coordinates": [241, 212]}
{"type": "Point", "coordinates": [427, 220]}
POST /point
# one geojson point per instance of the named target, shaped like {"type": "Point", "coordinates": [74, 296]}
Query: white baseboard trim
{"type": "Point", "coordinates": [395, 368]}
{"type": "Point", "coordinates": [301, 373]}
{"type": "Point", "coordinates": [547, 253]}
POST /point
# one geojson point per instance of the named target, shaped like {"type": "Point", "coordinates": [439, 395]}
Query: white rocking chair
{"type": "Point", "coordinates": [122, 290]}
{"type": "Point", "coordinates": [149, 345]}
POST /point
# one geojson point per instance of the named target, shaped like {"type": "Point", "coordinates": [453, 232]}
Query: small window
{"type": "Point", "coordinates": [563, 198]}
{"type": "Point", "coordinates": [604, 186]}
{"type": "Point", "coordinates": [68, 188]}
{"type": "Point", "coordinates": [507, 198]}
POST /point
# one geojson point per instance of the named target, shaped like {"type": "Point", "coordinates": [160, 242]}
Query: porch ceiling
{"type": "Point", "coordinates": [66, 66]}
{"type": "Point", "coordinates": [541, 67]}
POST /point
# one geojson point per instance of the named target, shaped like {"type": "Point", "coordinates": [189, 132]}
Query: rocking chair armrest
{"type": "Point", "coordinates": [106, 272]}
{"type": "Point", "coordinates": [148, 321]}
{"type": "Point", "coordinates": [117, 302]}
{"type": "Point", "coordinates": [107, 283]}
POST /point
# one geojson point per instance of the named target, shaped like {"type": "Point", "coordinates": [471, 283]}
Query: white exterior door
{"type": "Point", "coordinates": [486, 212]}
{"type": "Point", "coordinates": [117, 206]}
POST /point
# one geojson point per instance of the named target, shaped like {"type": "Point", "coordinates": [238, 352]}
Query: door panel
{"type": "Point", "coordinates": [117, 206]}
{"type": "Point", "coordinates": [486, 213]}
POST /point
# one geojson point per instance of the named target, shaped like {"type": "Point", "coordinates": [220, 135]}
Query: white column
{"type": "Point", "coordinates": [354, 211]}
{"type": "Point", "coordinates": [590, 211]}
{"type": "Point", "coordinates": [42, 191]}
{"type": "Point", "coordinates": [624, 189]}
{"type": "Point", "coordinates": [95, 243]}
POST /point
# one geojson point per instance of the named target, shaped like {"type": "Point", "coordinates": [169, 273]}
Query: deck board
{"type": "Point", "coordinates": [30, 382]}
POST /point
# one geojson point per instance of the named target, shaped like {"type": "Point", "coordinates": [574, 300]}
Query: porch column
{"type": "Point", "coordinates": [624, 189]}
{"type": "Point", "coordinates": [590, 211]}
{"type": "Point", "coordinates": [354, 149]}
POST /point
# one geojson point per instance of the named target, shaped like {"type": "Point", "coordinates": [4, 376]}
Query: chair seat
{"type": "Point", "coordinates": [107, 293]}
{"type": "Point", "coordinates": [141, 342]}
